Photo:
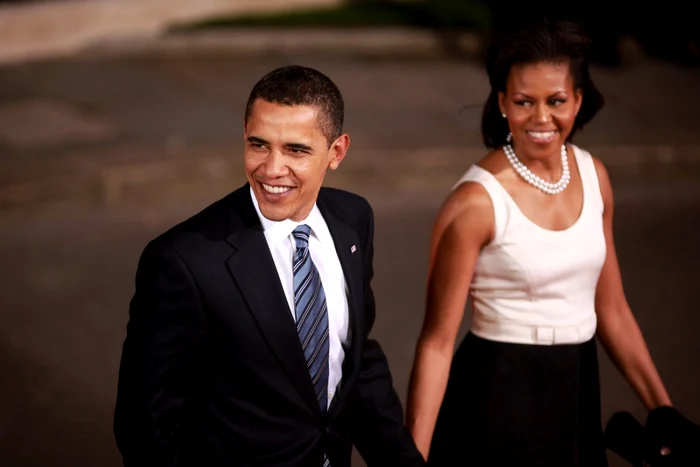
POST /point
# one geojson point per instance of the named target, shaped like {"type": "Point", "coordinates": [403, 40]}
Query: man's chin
{"type": "Point", "coordinates": [275, 215]}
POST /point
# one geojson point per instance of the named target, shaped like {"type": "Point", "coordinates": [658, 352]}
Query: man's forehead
{"type": "Point", "coordinates": [270, 110]}
{"type": "Point", "coordinates": [300, 121]}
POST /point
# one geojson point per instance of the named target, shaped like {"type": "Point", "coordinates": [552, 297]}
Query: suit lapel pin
{"type": "Point", "coordinates": [353, 249]}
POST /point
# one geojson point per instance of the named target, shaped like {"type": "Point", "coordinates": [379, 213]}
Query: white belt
{"type": "Point", "coordinates": [533, 334]}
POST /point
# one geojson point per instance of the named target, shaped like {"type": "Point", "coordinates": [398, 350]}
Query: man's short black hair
{"type": "Point", "coordinates": [298, 85]}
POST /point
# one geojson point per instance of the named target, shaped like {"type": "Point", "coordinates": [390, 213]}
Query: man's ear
{"type": "Point", "coordinates": [338, 150]}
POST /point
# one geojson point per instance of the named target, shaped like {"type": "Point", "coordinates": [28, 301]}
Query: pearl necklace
{"type": "Point", "coordinates": [542, 185]}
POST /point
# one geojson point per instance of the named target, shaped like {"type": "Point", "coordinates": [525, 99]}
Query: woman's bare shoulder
{"type": "Point", "coordinates": [469, 206]}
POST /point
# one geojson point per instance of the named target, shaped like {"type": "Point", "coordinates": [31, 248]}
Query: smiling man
{"type": "Point", "coordinates": [247, 342]}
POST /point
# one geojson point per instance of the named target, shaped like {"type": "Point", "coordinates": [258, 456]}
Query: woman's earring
{"type": "Point", "coordinates": [504, 115]}
{"type": "Point", "coordinates": [509, 138]}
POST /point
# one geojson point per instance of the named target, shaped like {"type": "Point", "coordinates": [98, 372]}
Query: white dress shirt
{"type": "Point", "coordinates": [282, 246]}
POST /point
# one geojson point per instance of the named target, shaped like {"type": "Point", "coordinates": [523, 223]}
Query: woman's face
{"type": "Point", "coordinates": [540, 104]}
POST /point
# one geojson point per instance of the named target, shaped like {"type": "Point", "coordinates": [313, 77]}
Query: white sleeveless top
{"type": "Point", "coordinates": [537, 286]}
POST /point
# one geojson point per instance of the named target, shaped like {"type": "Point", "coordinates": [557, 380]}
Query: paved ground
{"type": "Point", "coordinates": [38, 29]}
{"type": "Point", "coordinates": [99, 154]}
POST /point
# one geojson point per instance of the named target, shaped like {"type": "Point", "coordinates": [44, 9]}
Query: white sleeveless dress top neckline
{"type": "Point", "coordinates": [532, 285]}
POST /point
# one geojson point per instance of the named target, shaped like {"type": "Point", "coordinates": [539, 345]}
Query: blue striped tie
{"type": "Point", "coordinates": [311, 315]}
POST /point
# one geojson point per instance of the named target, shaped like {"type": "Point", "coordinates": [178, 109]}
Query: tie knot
{"type": "Point", "coordinates": [301, 236]}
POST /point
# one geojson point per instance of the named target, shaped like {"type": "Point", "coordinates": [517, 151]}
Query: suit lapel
{"type": "Point", "coordinates": [347, 247]}
{"type": "Point", "coordinates": [254, 271]}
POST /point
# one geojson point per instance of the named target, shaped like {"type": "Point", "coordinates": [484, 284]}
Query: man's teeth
{"type": "Point", "coordinates": [275, 189]}
{"type": "Point", "coordinates": [542, 134]}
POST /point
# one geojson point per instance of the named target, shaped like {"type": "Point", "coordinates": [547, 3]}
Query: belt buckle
{"type": "Point", "coordinates": [544, 334]}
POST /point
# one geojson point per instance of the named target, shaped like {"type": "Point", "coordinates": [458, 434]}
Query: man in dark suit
{"type": "Point", "coordinates": [247, 342]}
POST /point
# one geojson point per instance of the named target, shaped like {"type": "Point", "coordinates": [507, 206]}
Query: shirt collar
{"type": "Point", "coordinates": [278, 231]}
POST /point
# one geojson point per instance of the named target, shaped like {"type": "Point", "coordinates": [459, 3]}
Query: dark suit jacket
{"type": "Point", "coordinates": [212, 371]}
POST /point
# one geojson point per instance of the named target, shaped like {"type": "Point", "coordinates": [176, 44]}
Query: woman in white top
{"type": "Point", "coordinates": [527, 233]}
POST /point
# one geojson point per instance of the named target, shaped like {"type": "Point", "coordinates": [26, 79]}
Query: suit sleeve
{"type": "Point", "coordinates": [159, 362]}
{"type": "Point", "coordinates": [379, 432]}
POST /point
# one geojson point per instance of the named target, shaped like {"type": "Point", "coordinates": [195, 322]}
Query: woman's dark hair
{"type": "Point", "coordinates": [542, 41]}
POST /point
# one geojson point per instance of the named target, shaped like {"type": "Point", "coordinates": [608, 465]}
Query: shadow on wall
{"type": "Point", "coordinates": [665, 30]}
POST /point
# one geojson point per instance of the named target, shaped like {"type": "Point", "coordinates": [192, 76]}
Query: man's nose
{"type": "Point", "coordinates": [275, 165]}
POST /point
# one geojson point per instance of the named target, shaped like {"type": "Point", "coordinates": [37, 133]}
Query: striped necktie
{"type": "Point", "coordinates": [311, 315]}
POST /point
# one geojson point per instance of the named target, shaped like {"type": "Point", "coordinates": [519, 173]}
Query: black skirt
{"type": "Point", "coordinates": [520, 405]}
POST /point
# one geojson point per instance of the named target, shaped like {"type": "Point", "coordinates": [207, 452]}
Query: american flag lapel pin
{"type": "Point", "coordinates": [353, 249]}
